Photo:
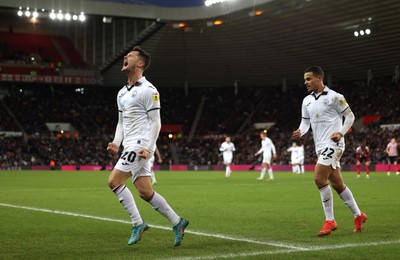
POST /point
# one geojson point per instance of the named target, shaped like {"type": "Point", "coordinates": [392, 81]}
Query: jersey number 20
{"type": "Point", "coordinates": [129, 156]}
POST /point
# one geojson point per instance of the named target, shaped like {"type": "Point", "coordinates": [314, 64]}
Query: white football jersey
{"type": "Point", "coordinates": [300, 152]}
{"type": "Point", "coordinates": [295, 153]}
{"type": "Point", "coordinates": [325, 112]}
{"type": "Point", "coordinates": [227, 148]}
{"type": "Point", "coordinates": [267, 147]}
{"type": "Point", "coordinates": [134, 102]}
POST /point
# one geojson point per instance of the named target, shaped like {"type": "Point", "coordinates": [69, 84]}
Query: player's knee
{"type": "Point", "coordinates": [146, 194]}
{"type": "Point", "coordinates": [339, 188]}
{"type": "Point", "coordinates": [338, 185]}
{"type": "Point", "coordinates": [111, 183]}
{"type": "Point", "coordinates": [320, 182]}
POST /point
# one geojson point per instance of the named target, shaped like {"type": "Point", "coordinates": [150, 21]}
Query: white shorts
{"type": "Point", "coordinates": [298, 160]}
{"type": "Point", "coordinates": [301, 160]}
{"type": "Point", "coordinates": [131, 162]}
{"type": "Point", "coordinates": [227, 158]}
{"type": "Point", "coordinates": [330, 156]}
{"type": "Point", "coordinates": [266, 158]}
{"type": "Point", "coordinates": [151, 160]}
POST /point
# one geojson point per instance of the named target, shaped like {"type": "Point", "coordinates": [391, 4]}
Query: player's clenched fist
{"type": "Point", "coordinates": [112, 148]}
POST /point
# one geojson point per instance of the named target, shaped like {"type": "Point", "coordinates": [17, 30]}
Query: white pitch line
{"type": "Point", "coordinates": [221, 236]}
{"type": "Point", "coordinates": [283, 251]}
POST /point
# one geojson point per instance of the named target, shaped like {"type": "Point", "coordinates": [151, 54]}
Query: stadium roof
{"type": "Point", "coordinates": [162, 3]}
{"type": "Point", "coordinates": [276, 46]}
{"type": "Point", "coordinates": [155, 9]}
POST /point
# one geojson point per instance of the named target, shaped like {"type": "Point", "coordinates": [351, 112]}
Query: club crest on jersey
{"type": "Point", "coordinates": [134, 93]}
{"type": "Point", "coordinates": [325, 101]}
{"type": "Point", "coordinates": [155, 97]}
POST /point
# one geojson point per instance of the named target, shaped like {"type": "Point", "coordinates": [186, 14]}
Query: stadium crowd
{"type": "Point", "coordinates": [92, 114]}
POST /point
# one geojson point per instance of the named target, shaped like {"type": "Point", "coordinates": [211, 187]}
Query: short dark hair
{"type": "Point", "coordinates": [316, 70]}
{"type": "Point", "coordinates": [144, 56]}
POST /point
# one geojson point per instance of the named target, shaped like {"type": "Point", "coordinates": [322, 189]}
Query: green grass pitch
{"type": "Point", "coordinates": [73, 215]}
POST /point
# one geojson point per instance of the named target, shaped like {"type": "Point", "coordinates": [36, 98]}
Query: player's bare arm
{"type": "Point", "coordinates": [158, 155]}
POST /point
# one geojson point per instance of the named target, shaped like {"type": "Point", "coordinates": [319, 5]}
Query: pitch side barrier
{"type": "Point", "coordinates": [176, 167]}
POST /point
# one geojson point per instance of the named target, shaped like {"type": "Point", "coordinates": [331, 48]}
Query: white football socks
{"type": "Point", "coordinates": [263, 173]}
{"type": "Point", "coordinates": [126, 199]}
{"type": "Point", "coordinates": [271, 175]}
{"type": "Point", "coordinates": [228, 171]}
{"type": "Point", "coordinates": [350, 202]}
{"type": "Point", "coordinates": [160, 204]}
{"type": "Point", "coordinates": [327, 202]}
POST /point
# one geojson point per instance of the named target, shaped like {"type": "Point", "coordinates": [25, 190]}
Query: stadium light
{"type": "Point", "coordinates": [107, 19]}
{"type": "Point", "coordinates": [178, 25]}
{"type": "Point", "coordinates": [217, 22]}
{"type": "Point", "coordinates": [82, 17]}
{"type": "Point", "coordinates": [362, 32]}
{"type": "Point", "coordinates": [256, 13]}
{"type": "Point", "coordinates": [27, 12]}
{"type": "Point", "coordinates": [20, 13]}
{"type": "Point", "coordinates": [52, 15]}
{"type": "Point", "coordinates": [60, 15]}
{"type": "Point", "coordinates": [35, 14]}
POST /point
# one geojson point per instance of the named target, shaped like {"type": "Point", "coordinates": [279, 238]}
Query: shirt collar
{"type": "Point", "coordinates": [137, 83]}
{"type": "Point", "coordinates": [324, 92]}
